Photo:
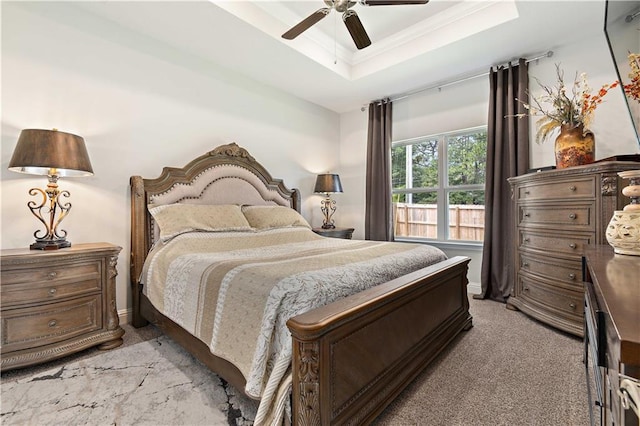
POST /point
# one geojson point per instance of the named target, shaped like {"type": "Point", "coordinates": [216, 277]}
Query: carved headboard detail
{"type": "Point", "coordinates": [226, 175]}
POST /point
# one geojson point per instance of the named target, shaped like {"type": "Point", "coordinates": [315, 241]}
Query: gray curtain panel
{"type": "Point", "coordinates": [507, 156]}
{"type": "Point", "coordinates": [378, 221]}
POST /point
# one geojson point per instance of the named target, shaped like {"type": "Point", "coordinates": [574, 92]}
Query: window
{"type": "Point", "coordinates": [438, 186]}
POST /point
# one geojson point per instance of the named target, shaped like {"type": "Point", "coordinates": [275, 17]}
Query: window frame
{"type": "Point", "coordinates": [442, 190]}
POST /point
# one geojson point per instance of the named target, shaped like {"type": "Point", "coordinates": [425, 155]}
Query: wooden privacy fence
{"type": "Point", "coordinates": [466, 222]}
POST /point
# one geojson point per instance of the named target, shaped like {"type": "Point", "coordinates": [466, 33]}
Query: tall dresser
{"type": "Point", "coordinates": [559, 213]}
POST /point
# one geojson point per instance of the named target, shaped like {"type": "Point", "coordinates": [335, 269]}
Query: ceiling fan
{"type": "Point", "coordinates": [349, 16]}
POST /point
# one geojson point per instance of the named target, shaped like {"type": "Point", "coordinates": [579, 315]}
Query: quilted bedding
{"type": "Point", "coordinates": [235, 291]}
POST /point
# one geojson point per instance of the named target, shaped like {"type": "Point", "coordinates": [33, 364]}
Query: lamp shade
{"type": "Point", "coordinates": [328, 183]}
{"type": "Point", "coordinates": [45, 152]}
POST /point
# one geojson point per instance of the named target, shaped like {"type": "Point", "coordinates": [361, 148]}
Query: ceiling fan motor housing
{"type": "Point", "coordinates": [340, 5]}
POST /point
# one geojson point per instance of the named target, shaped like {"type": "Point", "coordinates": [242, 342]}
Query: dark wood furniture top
{"type": "Point", "coordinates": [54, 303]}
{"type": "Point", "coordinates": [616, 279]}
{"type": "Point", "coordinates": [345, 233]}
{"type": "Point", "coordinates": [612, 332]}
{"type": "Point", "coordinates": [413, 317]}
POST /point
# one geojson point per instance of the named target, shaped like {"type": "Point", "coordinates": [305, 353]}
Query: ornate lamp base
{"type": "Point", "coordinates": [42, 244]}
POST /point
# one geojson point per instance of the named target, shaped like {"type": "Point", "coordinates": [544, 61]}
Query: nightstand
{"type": "Point", "coordinates": [54, 303]}
{"type": "Point", "coordinates": [345, 233]}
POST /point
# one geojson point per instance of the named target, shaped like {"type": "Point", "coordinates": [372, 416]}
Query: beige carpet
{"type": "Point", "coordinates": [507, 370]}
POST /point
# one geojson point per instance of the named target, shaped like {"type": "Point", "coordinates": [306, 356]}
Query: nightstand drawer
{"type": "Point", "coordinates": [49, 283]}
{"type": "Point", "coordinates": [50, 323]}
{"type": "Point", "coordinates": [577, 217]}
{"type": "Point", "coordinates": [566, 189]}
{"type": "Point", "coordinates": [52, 273]}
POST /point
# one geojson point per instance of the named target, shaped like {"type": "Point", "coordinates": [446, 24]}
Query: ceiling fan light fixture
{"type": "Point", "coordinates": [391, 2]}
{"type": "Point", "coordinates": [349, 17]}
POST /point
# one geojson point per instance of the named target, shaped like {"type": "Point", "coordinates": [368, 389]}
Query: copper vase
{"type": "Point", "coordinates": [574, 146]}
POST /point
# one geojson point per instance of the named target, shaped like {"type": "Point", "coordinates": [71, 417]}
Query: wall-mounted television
{"type": "Point", "coordinates": [622, 30]}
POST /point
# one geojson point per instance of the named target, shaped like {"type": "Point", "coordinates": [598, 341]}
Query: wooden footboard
{"type": "Point", "coordinates": [353, 357]}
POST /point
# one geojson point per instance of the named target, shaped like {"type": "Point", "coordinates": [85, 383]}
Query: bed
{"type": "Point", "coordinates": [347, 357]}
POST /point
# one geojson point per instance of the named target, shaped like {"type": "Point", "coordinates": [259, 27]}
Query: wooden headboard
{"type": "Point", "coordinates": [226, 175]}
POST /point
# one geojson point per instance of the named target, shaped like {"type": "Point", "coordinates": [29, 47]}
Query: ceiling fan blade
{"type": "Point", "coordinates": [392, 2]}
{"type": "Point", "coordinates": [306, 23]}
{"type": "Point", "coordinates": [354, 25]}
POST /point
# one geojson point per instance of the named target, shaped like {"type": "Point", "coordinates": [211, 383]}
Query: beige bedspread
{"type": "Point", "coordinates": [236, 290]}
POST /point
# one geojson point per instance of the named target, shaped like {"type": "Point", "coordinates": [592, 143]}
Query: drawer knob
{"type": "Point", "coordinates": [526, 192]}
{"type": "Point", "coordinates": [525, 264]}
{"type": "Point", "coordinates": [526, 289]}
{"type": "Point", "coordinates": [572, 305]}
{"type": "Point", "coordinates": [527, 214]}
{"type": "Point", "coordinates": [526, 239]}
{"type": "Point", "coordinates": [52, 275]}
{"type": "Point", "coordinates": [53, 323]}
{"type": "Point", "coordinates": [572, 188]}
{"type": "Point", "coordinates": [572, 216]}
{"type": "Point", "coordinates": [572, 245]}
{"type": "Point", "coordinates": [52, 291]}
{"type": "Point", "coordinates": [572, 276]}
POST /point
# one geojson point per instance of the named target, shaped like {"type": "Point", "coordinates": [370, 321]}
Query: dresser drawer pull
{"type": "Point", "coordinates": [527, 214]}
{"type": "Point", "coordinates": [52, 291]}
{"type": "Point", "coordinates": [525, 264]}
{"type": "Point", "coordinates": [526, 239]}
{"type": "Point", "coordinates": [572, 276]}
{"type": "Point", "coordinates": [573, 245]}
{"type": "Point", "coordinates": [572, 305]}
{"type": "Point", "coordinates": [527, 192]}
{"type": "Point", "coordinates": [52, 275]}
{"type": "Point", "coordinates": [526, 289]}
{"type": "Point", "coordinates": [53, 323]}
{"type": "Point", "coordinates": [572, 188]}
{"type": "Point", "coordinates": [572, 216]}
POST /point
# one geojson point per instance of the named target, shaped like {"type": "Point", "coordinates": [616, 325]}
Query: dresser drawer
{"type": "Point", "coordinates": [578, 217]}
{"type": "Point", "coordinates": [581, 187]}
{"type": "Point", "coordinates": [567, 303]}
{"type": "Point", "coordinates": [49, 323]}
{"type": "Point", "coordinates": [49, 283]}
{"type": "Point", "coordinates": [555, 242]}
{"type": "Point", "coordinates": [567, 272]}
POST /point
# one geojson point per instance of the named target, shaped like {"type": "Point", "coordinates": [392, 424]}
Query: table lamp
{"type": "Point", "coordinates": [54, 154]}
{"type": "Point", "coordinates": [328, 184]}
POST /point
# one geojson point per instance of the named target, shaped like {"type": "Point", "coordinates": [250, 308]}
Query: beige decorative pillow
{"type": "Point", "coordinates": [269, 217]}
{"type": "Point", "coordinates": [176, 219]}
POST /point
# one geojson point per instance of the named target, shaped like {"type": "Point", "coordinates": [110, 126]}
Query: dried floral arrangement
{"type": "Point", "coordinates": [632, 90]}
{"type": "Point", "coordinates": [559, 105]}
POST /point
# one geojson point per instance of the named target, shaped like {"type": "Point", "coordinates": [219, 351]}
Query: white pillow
{"type": "Point", "coordinates": [269, 217]}
{"type": "Point", "coordinates": [176, 219]}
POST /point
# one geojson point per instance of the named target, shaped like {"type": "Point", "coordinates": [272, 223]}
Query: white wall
{"type": "Point", "coordinates": [139, 106]}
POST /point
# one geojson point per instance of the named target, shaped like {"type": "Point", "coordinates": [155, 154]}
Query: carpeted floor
{"type": "Point", "coordinates": [507, 370]}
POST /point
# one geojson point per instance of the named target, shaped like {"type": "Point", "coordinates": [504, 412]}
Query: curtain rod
{"type": "Point", "coordinates": [456, 81]}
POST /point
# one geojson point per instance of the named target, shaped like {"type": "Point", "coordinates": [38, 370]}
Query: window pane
{"type": "Point", "coordinates": [416, 215]}
{"type": "Point", "coordinates": [467, 158]}
{"type": "Point", "coordinates": [425, 164]}
{"type": "Point", "coordinates": [466, 215]}
{"type": "Point", "coordinates": [399, 167]}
